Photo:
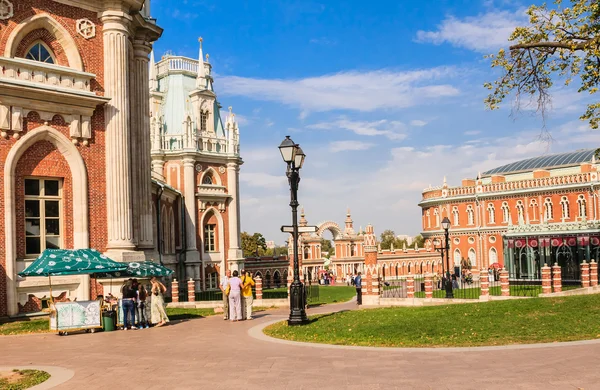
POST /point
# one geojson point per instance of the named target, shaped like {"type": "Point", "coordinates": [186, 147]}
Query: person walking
{"type": "Point", "coordinates": [159, 315]}
{"type": "Point", "coordinates": [223, 287]}
{"type": "Point", "coordinates": [358, 284]}
{"type": "Point", "coordinates": [128, 302]}
{"type": "Point", "coordinates": [235, 299]}
{"type": "Point", "coordinates": [247, 299]}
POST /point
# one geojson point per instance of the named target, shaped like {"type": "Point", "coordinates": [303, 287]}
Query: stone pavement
{"type": "Point", "coordinates": [215, 354]}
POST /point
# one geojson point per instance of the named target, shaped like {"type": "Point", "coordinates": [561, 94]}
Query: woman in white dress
{"type": "Point", "coordinates": [159, 315]}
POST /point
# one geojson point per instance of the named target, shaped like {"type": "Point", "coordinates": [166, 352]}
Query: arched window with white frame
{"type": "Point", "coordinates": [505, 212]}
{"type": "Point", "coordinates": [564, 206]}
{"type": "Point", "coordinates": [491, 213]}
{"type": "Point", "coordinates": [428, 218]}
{"type": "Point", "coordinates": [520, 212]}
{"type": "Point", "coordinates": [457, 257]}
{"type": "Point", "coordinates": [582, 206]}
{"type": "Point", "coordinates": [548, 212]}
{"type": "Point", "coordinates": [493, 256]}
{"type": "Point", "coordinates": [472, 257]}
{"type": "Point", "coordinates": [533, 205]}
{"type": "Point", "coordinates": [470, 215]}
{"type": "Point", "coordinates": [40, 52]}
{"type": "Point", "coordinates": [455, 215]}
{"type": "Point", "coordinates": [436, 213]}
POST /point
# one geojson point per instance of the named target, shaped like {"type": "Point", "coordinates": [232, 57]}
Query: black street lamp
{"type": "Point", "coordinates": [294, 157]}
{"type": "Point", "coordinates": [445, 249]}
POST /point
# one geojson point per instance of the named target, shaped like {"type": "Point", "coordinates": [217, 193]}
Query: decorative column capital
{"type": "Point", "coordinates": [233, 166]}
{"type": "Point", "coordinates": [113, 20]}
{"type": "Point", "coordinates": [189, 162]}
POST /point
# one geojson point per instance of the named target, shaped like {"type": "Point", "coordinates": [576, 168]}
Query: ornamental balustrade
{"type": "Point", "coordinates": [204, 143]}
{"type": "Point", "coordinates": [177, 63]}
{"type": "Point", "coordinates": [26, 71]}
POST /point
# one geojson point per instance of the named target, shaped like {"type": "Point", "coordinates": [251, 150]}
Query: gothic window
{"type": "Point", "coordinates": [428, 218]}
{"type": "Point", "coordinates": [306, 252]}
{"type": "Point", "coordinates": [42, 215]}
{"type": "Point", "coordinates": [40, 52]}
{"type": "Point", "coordinates": [457, 256]}
{"type": "Point", "coordinates": [455, 215]}
{"type": "Point", "coordinates": [581, 206]}
{"type": "Point", "coordinates": [520, 212]}
{"type": "Point", "coordinates": [534, 209]}
{"type": "Point", "coordinates": [505, 212]}
{"type": "Point", "coordinates": [548, 213]}
{"type": "Point", "coordinates": [436, 213]}
{"type": "Point", "coordinates": [564, 205]}
{"type": "Point", "coordinates": [209, 238]}
{"type": "Point", "coordinates": [491, 213]}
{"type": "Point", "coordinates": [470, 215]}
{"type": "Point", "coordinates": [203, 120]}
{"type": "Point", "coordinates": [208, 179]}
{"type": "Point", "coordinates": [493, 257]}
{"type": "Point", "coordinates": [472, 257]}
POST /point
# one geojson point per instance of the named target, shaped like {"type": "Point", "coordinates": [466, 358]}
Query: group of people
{"type": "Point", "coordinates": [134, 301]}
{"type": "Point", "coordinates": [237, 295]}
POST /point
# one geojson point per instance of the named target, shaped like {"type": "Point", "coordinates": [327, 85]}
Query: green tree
{"type": "Point", "coordinates": [253, 245]}
{"type": "Point", "coordinates": [388, 237]}
{"type": "Point", "coordinates": [420, 241]}
{"type": "Point", "coordinates": [561, 43]}
{"type": "Point", "coordinates": [327, 246]}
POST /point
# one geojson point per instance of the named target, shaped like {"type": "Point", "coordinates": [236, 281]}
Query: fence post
{"type": "Point", "coordinates": [484, 282]}
{"type": "Point", "coordinates": [410, 286]}
{"type": "Point", "coordinates": [504, 285]}
{"type": "Point", "coordinates": [175, 291]}
{"type": "Point", "coordinates": [546, 279]}
{"type": "Point", "coordinates": [585, 274]}
{"type": "Point", "coordinates": [428, 286]}
{"type": "Point", "coordinates": [191, 292]}
{"type": "Point", "coordinates": [593, 273]}
{"type": "Point", "coordinates": [258, 281]}
{"type": "Point", "coordinates": [556, 278]}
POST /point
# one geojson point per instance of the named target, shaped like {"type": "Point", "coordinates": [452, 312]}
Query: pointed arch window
{"type": "Point", "coordinates": [470, 215]}
{"type": "Point", "coordinates": [581, 206]}
{"type": "Point", "coordinates": [455, 215]}
{"type": "Point", "coordinates": [428, 217]}
{"type": "Point", "coordinates": [564, 205]}
{"type": "Point", "coordinates": [534, 209]}
{"type": "Point", "coordinates": [203, 120]}
{"type": "Point", "coordinates": [493, 256]}
{"type": "Point", "coordinates": [208, 179]}
{"type": "Point", "coordinates": [505, 212]}
{"type": "Point", "coordinates": [436, 213]}
{"type": "Point", "coordinates": [548, 212]}
{"type": "Point", "coordinates": [520, 212]}
{"type": "Point", "coordinates": [40, 52]}
{"type": "Point", "coordinates": [491, 213]}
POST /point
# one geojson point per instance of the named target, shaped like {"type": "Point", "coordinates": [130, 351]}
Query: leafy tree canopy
{"type": "Point", "coordinates": [420, 241]}
{"type": "Point", "coordinates": [561, 43]}
{"type": "Point", "coordinates": [388, 237]}
{"type": "Point", "coordinates": [327, 246]}
{"type": "Point", "coordinates": [253, 245]}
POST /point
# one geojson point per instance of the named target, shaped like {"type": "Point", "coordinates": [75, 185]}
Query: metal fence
{"type": "Point", "coordinates": [312, 293]}
{"type": "Point", "coordinates": [393, 288]}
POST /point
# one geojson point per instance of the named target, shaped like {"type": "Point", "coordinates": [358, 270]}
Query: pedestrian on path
{"type": "Point", "coordinates": [247, 298]}
{"type": "Point", "coordinates": [159, 315]}
{"type": "Point", "coordinates": [128, 302]}
{"type": "Point", "coordinates": [235, 299]}
{"type": "Point", "coordinates": [223, 287]}
{"type": "Point", "coordinates": [358, 284]}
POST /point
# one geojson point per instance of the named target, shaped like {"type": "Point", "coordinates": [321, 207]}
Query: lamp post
{"type": "Point", "coordinates": [293, 156]}
{"type": "Point", "coordinates": [445, 249]}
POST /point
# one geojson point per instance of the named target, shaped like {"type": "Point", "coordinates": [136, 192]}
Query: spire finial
{"type": "Point", "coordinates": [445, 180]}
{"type": "Point", "coordinates": [207, 57]}
{"type": "Point", "coordinates": [230, 110]}
{"type": "Point", "coordinates": [200, 40]}
{"type": "Point", "coordinates": [200, 79]}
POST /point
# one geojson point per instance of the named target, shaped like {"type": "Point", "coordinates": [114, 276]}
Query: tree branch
{"type": "Point", "coordinates": [558, 45]}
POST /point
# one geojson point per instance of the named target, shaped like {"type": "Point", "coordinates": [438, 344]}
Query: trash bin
{"type": "Point", "coordinates": [109, 319]}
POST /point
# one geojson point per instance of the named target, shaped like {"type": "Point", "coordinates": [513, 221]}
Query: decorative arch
{"type": "Point", "coordinates": [81, 237]}
{"type": "Point", "coordinates": [45, 21]}
{"type": "Point", "coordinates": [472, 257]}
{"type": "Point", "coordinates": [333, 227]}
{"type": "Point", "coordinates": [457, 256]}
{"type": "Point", "coordinates": [220, 232]}
{"type": "Point", "coordinates": [258, 274]}
{"type": "Point", "coordinates": [215, 176]}
{"type": "Point", "coordinates": [493, 256]}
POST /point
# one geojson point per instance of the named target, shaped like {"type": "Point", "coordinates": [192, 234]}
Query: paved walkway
{"type": "Point", "coordinates": [211, 353]}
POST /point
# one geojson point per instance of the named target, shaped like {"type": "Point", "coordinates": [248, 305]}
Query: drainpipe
{"type": "Point", "coordinates": [158, 224]}
{"type": "Point", "coordinates": [182, 252]}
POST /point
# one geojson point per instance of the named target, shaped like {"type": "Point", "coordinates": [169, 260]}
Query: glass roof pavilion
{"type": "Point", "coordinates": [545, 162]}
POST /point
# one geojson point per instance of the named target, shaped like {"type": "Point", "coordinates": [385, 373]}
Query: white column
{"type": "Point", "coordinates": [116, 112]}
{"type": "Point", "coordinates": [233, 212]}
{"type": "Point", "coordinates": [189, 192]}
{"type": "Point", "coordinates": [142, 129]}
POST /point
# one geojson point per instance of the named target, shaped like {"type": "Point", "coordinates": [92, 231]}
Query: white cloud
{"type": "Point", "coordinates": [482, 33]}
{"type": "Point", "coordinates": [342, 146]}
{"type": "Point", "coordinates": [394, 130]}
{"type": "Point", "coordinates": [418, 123]}
{"type": "Point", "coordinates": [352, 90]}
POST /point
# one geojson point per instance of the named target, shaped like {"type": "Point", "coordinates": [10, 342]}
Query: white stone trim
{"type": "Point", "coordinates": [221, 231]}
{"type": "Point", "coordinates": [80, 202]}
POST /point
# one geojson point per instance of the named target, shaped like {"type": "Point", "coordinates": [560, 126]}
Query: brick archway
{"type": "Point", "coordinates": [333, 227]}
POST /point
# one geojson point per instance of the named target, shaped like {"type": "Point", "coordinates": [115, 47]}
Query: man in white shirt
{"type": "Point", "coordinates": [223, 287]}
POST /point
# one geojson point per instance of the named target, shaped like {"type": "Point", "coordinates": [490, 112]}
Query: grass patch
{"type": "Point", "coordinates": [24, 327]}
{"type": "Point", "coordinates": [536, 320]}
{"type": "Point", "coordinates": [22, 379]}
{"type": "Point", "coordinates": [175, 313]}
{"type": "Point", "coordinates": [334, 294]}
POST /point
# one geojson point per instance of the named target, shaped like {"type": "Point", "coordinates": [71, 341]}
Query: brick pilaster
{"type": "Point", "coordinates": [191, 290]}
{"type": "Point", "coordinates": [585, 274]}
{"type": "Point", "coordinates": [484, 282]}
{"type": "Point", "coordinates": [175, 291]}
{"type": "Point", "coordinates": [259, 290]}
{"type": "Point", "coordinates": [428, 286]}
{"type": "Point", "coordinates": [410, 286]}
{"type": "Point", "coordinates": [556, 278]}
{"type": "Point", "coordinates": [504, 285]}
{"type": "Point", "coordinates": [546, 279]}
{"type": "Point", "coordinates": [593, 273]}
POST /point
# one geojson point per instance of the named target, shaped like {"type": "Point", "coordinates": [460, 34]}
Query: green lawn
{"type": "Point", "coordinates": [39, 325]}
{"type": "Point", "coordinates": [535, 320]}
{"type": "Point", "coordinates": [334, 294]}
{"type": "Point", "coordinates": [22, 379]}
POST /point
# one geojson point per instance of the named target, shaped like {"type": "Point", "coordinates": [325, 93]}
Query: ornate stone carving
{"type": "Point", "coordinates": [86, 28]}
{"type": "Point", "coordinates": [198, 168]}
{"type": "Point", "coordinates": [222, 169]}
{"type": "Point", "coordinates": [6, 10]}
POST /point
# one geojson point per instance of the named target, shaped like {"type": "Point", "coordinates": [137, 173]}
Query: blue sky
{"type": "Point", "coordinates": [385, 98]}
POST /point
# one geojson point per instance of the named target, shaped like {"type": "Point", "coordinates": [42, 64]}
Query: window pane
{"type": "Point", "coordinates": [52, 227]}
{"type": "Point", "coordinates": [52, 208]}
{"type": "Point", "coordinates": [44, 54]}
{"type": "Point", "coordinates": [32, 245]}
{"type": "Point", "coordinates": [32, 187]}
{"type": "Point", "coordinates": [51, 187]}
{"type": "Point", "coordinates": [32, 227]}
{"type": "Point", "coordinates": [53, 242]}
{"type": "Point", "coordinates": [32, 208]}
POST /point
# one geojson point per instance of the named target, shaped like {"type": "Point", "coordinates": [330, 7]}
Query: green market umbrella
{"type": "Point", "coordinates": [137, 269]}
{"type": "Point", "coordinates": [55, 262]}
